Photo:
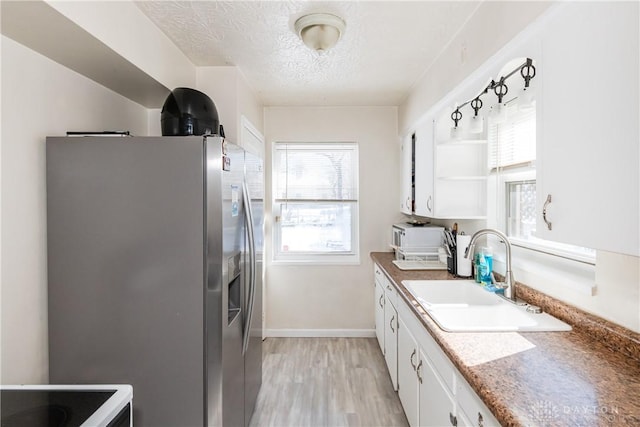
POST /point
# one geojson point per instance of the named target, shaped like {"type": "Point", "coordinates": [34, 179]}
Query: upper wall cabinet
{"type": "Point", "coordinates": [449, 175]}
{"type": "Point", "coordinates": [424, 193]}
{"type": "Point", "coordinates": [588, 139]}
{"type": "Point", "coordinates": [407, 178]}
{"type": "Point", "coordinates": [460, 172]}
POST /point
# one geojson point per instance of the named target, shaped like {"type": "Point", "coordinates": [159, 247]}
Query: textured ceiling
{"type": "Point", "coordinates": [386, 48]}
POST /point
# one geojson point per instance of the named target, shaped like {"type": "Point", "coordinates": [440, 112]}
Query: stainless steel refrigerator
{"type": "Point", "coordinates": [152, 273]}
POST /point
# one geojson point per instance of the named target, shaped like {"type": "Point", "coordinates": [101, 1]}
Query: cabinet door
{"type": "Point", "coordinates": [379, 310]}
{"type": "Point", "coordinates": [424, 168]}
{"type": "Point", "coordinates": [587, 142]}
{"type": "Point", "coordinates": [472, 411]}
{"type": "Point", "coordinates": [391, 341]}
{"type": "Point", "coordinates": [408, 356]}
{"type": "Point", "coordinates": [406, 179]}
{"type": "Point", "coordinates": [435, 402]}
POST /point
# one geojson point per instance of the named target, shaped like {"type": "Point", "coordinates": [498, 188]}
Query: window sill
{"type": "Point", "coordinates": [546, 272]}
{"type": "Point", "coordinates": [319, 260]}
{"type": "Point", "coordinates": [553, 251]}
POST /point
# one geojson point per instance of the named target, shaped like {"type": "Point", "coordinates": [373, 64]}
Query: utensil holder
{"type": "Point", "coordinates": [452, 262]}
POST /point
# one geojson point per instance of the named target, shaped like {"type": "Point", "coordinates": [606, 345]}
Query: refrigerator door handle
{"type": "Point", "coordinates": [252, 267]}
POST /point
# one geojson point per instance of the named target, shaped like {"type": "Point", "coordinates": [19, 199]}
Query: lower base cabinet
{"type": "Point", "coordinates": [408, 381]}
{"type": "Point", "coordinates": [471, 410]}
{"type": "Point", "coordinates": [386, 317]}
{"type": "Point", "coordinates": [425, 397]}
{"type": "Point", "coordinates": [379, 309]}
{"type": "Point", "coordinates": [437, 405]}
{"type": "Point", "coordinates": [431, 390]}
{"type": "Point", "coordinates": [391, 340]}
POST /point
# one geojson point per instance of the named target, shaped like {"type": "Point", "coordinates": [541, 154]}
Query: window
{"type": "Point", "coordinates": [512, 138]}
{"type": "Point", "coordinates": [512, 155]}
{"type": "Point", "coordinates": [521, 209]}
{"type": "Point", "coordinates": [315, 188]}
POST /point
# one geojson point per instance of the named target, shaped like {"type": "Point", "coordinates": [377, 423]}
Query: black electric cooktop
{"type": "Point", "coordinates": [49, 408]}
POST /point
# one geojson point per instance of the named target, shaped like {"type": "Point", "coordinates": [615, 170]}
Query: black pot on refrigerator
{"type": "Point", "coordinates": [189, 112]}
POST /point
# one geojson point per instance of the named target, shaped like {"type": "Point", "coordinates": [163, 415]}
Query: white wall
{"type": "Point", "coordinates": [492, 25]}
{"type": "Point", "coordinates": [233, 98]}
{"type": "Point", "coordinates": [124, 28]}
{"type": "Point", "coordinates": [39, 98]}
{"type": "Point", "coordinates": [308, 300]}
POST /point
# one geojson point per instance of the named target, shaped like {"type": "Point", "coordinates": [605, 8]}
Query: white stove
{"type": "Point", "coordinates": [66, 405]}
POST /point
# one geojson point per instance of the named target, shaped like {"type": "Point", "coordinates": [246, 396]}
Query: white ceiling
{"type": "Point", "coordinates": [386, 48]}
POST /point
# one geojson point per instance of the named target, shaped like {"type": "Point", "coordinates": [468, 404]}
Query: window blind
{"type": "Point", "coordinates": [315, 172]}
{"type": "Point", "coordinates": [513, 142]}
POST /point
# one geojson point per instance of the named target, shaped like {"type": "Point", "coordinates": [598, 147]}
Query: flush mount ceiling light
{"type": "Point", "coordinates": [320, 31]}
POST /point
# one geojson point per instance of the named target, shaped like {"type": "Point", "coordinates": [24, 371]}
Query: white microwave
{"type": "Point", "coordinates": [409, 236]}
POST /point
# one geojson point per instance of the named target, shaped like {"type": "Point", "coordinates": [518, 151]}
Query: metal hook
{"type": "Point", "coordinates": [528, 71]}
{"type": "Point", "coordinates": [456, 116]}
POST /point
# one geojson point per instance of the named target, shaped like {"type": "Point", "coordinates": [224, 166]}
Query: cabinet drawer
{"type": "Point", "coordinates": [472, 407]}
{"type": "Point", "coordinates": [390, 292]}
{"type": "Point", "coordinates": [378, 275]}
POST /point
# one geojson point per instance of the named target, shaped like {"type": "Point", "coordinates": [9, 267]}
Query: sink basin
{"type": "Point", "coordinates": [449, 293]}
{"type": "Point", "coordinates": [464, 306]}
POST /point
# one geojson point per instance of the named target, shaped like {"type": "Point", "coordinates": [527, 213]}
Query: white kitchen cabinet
{"type": "Point", "coordinates": [407, 179]}
{"type": "Point", "coordinates": [434, 393]}
{"type": "Point", "coordinates": [449, 178]}
{"type": "Point", "coordinates": [430, 388]}
{"type": "Point", "coordinates": [424, 170]}
{"type": "Point", "coordinates": [379, 301]}
{"type": "Point", "coordinates": [587, 145]}
{"type": "Point", "coordinates": [387, 322]}
{"type": "Point", "coordinates": [471, 411]}
{"type": "Point", "coordinates": [391, 338]}
{"type": "Point", "coordinates": [408, 386]}
{"type": "Point", "coordinates": [426, 397]}
{"type": "Point", "coordinates": [460, 176]}
{"type": "Point", "coordinates": [437, 404]}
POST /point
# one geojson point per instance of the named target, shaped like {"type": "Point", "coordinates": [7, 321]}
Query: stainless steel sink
{"type": "Point", "coordinates": [464, 306]}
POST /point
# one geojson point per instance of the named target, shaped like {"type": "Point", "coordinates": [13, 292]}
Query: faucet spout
{"type": "Point", "coordinates": [509, 282]}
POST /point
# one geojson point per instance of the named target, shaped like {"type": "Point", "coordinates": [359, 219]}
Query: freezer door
{"type": "Point", "coordinates": [126, 271]}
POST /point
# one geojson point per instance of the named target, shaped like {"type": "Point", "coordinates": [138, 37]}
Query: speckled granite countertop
{"type": "Point", "coordinates": [587, 377]}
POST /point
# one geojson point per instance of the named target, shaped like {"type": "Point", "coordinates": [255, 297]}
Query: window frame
{"type": "Point", "coordinates": [316, 258]}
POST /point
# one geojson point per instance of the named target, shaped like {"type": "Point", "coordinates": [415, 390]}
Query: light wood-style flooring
{"type": "Point", "coordinates": [326, 382]}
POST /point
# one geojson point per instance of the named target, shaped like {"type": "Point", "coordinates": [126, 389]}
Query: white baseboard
{"type": "Point", "coordinates": [320, 333]}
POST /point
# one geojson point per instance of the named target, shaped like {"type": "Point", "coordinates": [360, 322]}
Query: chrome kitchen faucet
{"type": "Point", "coordinates": [509, 282]}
